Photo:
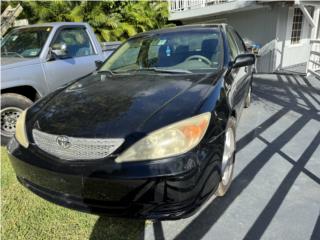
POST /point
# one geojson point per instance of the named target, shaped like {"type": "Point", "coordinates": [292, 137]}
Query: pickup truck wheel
{"type": "Point", "coordinates": [12, 105]}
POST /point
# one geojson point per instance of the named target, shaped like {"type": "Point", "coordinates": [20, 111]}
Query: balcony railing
{"type": "Point", "coordinates": [314, 60]}
{"type": "Point", "coordinates": [184, 5]}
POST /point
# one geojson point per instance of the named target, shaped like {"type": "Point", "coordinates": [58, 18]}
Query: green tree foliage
{"type": "Point", "coordinates": [111, 20]}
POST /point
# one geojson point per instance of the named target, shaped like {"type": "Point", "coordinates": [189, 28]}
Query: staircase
{"type": "Point", "coordinates": [8, 17]}
{"type": "Point", "coordinates": [313, 67]}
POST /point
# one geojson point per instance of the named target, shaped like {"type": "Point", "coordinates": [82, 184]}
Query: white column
{"type": "Point", "coordinates": [314, 29]}
{"type": "Point", "coordinates": [316, 16]}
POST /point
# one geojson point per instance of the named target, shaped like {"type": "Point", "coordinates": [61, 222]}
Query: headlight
{"type": "Point", "coordinates": [21, 134]}
{"type": "Point", "coordinates": [175, 139]}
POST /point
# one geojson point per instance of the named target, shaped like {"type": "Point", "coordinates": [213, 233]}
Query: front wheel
{"type": "Point", "coordinates": [12, 105]}
{"type": "Point", "coordinates": [227, 164]}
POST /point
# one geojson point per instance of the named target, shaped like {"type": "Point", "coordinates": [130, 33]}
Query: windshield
{"type": "Point", "coordinates": [25, 42]}
{"type": "Point", "coordinates": [181, 51]}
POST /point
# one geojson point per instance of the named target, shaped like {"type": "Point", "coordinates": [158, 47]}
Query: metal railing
{"type": "Point", "coordinates": [265, 58]}
{"type": "Point", "coordinates": [313, 66]}
{"type": "Point", "coordinates": [184, 5]}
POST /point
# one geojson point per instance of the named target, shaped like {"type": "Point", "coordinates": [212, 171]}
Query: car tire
{"type": "Point", "coordinates": [228, 157]}
{"type": "Point", "coordinates": [12, 105]}
{"type": "Point", "coordinates": [248, 98]}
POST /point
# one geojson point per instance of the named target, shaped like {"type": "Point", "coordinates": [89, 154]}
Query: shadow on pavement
{"type": "Point", "coordinates": [291, 94]}
{"type": "Point", "coordinates": [158, 231]}
{"type": "Point", "coordinates": [107, 228]}
{"type": "Point", "coordinates": [284, 92]}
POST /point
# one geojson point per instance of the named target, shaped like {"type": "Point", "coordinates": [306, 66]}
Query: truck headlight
{"type": "Point", "coordinates": [21, 134]}
{"type": "Point", "coordinates": [172, 140]}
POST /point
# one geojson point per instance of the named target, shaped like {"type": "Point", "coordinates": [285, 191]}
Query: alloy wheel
{"type": "Point", "coordinates": [9, 118]}
{"type": "Point", "coordinates": [228, 154]}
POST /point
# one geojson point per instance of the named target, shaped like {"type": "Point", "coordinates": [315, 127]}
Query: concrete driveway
{"type": "Point", "coordinates": [276, 188]}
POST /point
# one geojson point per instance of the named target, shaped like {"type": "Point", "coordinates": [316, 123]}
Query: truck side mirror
{"type": "Point", "coordinates": [98, 64]}
{"type": "Point", "coordinates": [59, 50]}
{"type": "Point", "coordinates": [242, 60]}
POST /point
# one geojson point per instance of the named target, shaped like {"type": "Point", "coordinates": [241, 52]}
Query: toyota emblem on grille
{"type": "Point", "coordinates": [63, 141]}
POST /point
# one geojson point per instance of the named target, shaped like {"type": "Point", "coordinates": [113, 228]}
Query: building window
{"type": "Point", "coordinates": [296, 26]}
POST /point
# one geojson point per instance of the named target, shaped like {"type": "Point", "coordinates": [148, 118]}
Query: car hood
{"type": "Point", "coordinates": [13, 62]}
{"type": "Point", "coordinates": [117, 106]}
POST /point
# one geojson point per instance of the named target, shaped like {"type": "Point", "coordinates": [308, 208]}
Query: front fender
{"type": "Point", "coordinates": [31, 76]}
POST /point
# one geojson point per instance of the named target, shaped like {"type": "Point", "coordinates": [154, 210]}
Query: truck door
{"type": "Point", "coordinates": [80, 60]}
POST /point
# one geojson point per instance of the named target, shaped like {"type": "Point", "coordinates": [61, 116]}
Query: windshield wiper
{"type": "Point", "coordinates": [164, 70]}
{"type": "Point", "coordinates": [105, 71]}
{"type": "Point", "coordinates": [154, 69]}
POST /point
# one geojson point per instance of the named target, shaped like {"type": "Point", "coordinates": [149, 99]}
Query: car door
{"type": "Point", "coordinates": [80, 60]}
{"type": "Point", "coordinates": [245, 72]}
{"type": "Point", "coordinates": [237, 75]}
{"type": "Point", "coordinates": [233, 74]}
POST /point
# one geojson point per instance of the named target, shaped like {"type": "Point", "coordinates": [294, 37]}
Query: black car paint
{"type": "Point", "coordinates": [113, 106]}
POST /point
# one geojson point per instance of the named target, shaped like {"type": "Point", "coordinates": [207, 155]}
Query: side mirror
{"type": "Point", "coordinates": [242, 60]}
{"type": "Point", "coordinates": [59, 50]}
{"type": "Point", "coordinates": [98, 64]}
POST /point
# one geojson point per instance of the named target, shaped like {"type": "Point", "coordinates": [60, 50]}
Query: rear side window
{"type": "Point", "coordinates": [77, 41]}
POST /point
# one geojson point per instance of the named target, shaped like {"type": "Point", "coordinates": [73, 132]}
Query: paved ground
{"type": "Point", "coordinates": [300, 68]}
{"type": "Point", "coordinates": [276, 188]}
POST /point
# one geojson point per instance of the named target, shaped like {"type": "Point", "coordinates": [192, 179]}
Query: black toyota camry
{"type": "Point", "coordinates": [150, 134]}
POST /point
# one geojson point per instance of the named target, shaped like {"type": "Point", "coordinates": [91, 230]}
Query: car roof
{"type": "Point", "coordinates": [181, 28]}
{"type": "Point", "coordinates": [163, 30]}
{"type": "Point", "coordinates": [52, 24]}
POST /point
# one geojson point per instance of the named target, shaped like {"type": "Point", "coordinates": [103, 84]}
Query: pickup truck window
{"type": "Point", "coordinates": [24, 42]}
{"type": "Point", "coordinates": [77, 41]}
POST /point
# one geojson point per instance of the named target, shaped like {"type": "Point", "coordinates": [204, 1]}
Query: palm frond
{"type": "Point", "coordinates": [111, 20]}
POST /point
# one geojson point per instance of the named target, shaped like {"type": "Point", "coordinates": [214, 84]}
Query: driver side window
{"type": "Point", "coordinates": [77, 41]}
{"type": "Point", "coordinates": [239, 42]}
{"type": "Point", "coordinates": [232, 45]}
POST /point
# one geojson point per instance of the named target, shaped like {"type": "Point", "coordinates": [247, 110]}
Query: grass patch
{"type": "Point", "coordinates": [27, 216]}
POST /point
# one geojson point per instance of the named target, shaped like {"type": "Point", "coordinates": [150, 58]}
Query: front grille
{"type": "Point", "coordinates": [71, 148]}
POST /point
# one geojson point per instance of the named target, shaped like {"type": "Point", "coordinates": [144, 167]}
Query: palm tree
{"type": "Point", "coordinates": [111, 20]}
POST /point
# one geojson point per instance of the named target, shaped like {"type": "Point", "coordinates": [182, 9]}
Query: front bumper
{"type": "Point", "coordinates": [166, 189]}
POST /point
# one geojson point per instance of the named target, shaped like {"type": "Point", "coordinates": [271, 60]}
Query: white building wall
{"type": "Point", "coordinates": [270, 26]}
{"type": "Point", "coordinates": [281, 34]}
{"type": "Point", "coordinates": [293, 54]}
{"type": "Point", "coordinates": [258, 25]}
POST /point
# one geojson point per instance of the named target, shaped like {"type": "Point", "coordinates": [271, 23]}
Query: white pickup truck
{"type": "Point", "coordinates": [37, 59]}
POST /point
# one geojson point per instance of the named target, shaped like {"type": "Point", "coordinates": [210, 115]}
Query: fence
{"type": "Point", "coordinates": [183, 5]}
